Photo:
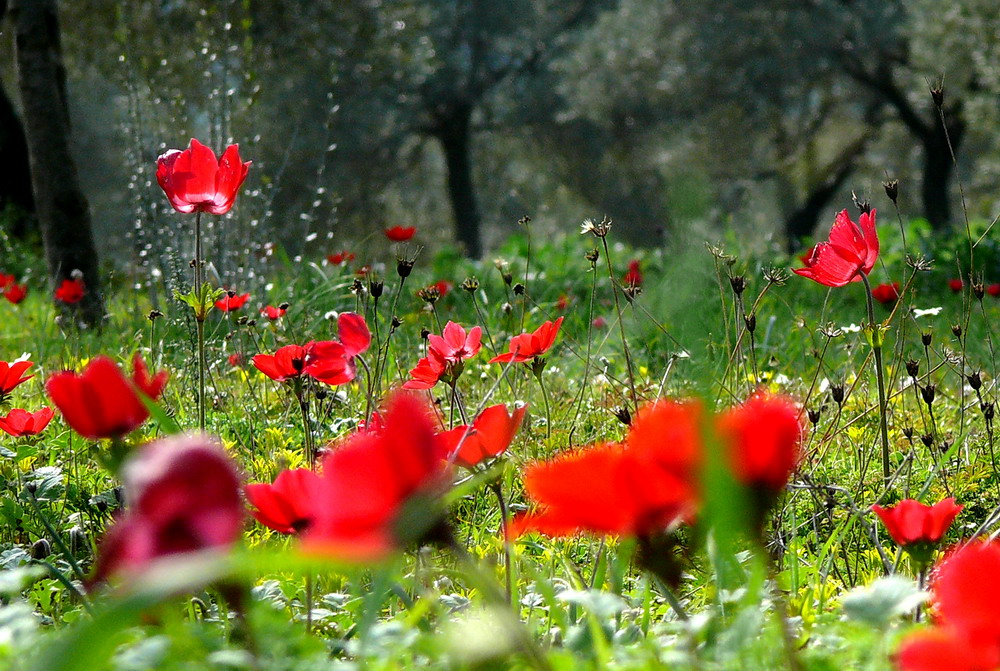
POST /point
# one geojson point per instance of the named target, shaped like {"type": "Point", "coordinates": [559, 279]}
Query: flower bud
{"type": "Point", "coordinates": [814, 416]}
{"type": "Point", "coordinates": [471, 284]}
{"type": "Point", "coordinates": [975, 380]}
{"type": "Point", "coordinates": [518, 289]}
{"type": "Point", "coordinates": [40, 549]}
{"type": "Point", "coordinates": [375, 288]}
{"type": "Point", "coordinates": [925, 338]}
{"type": "Point", "coordinates": [928, 393]}
{"type": "Point", "coordinates": [751, 322]}
{"type": "Point", "coordinates": [623, 414]}
{"type": "Point", "coordinates": [837, 393]}
{"type": "Point", "coordinates": [738, 283]}
{"type": "Point", "coordinates": [891, 189]}
{"type": "Point", "coordinates": [912, 368]}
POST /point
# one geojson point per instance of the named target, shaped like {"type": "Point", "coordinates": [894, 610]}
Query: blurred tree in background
{"type": "Point", "coordinates": [460, 116]}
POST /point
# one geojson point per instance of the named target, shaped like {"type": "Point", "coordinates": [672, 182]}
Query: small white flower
{"type": "Point", "coordinates": [929, 312]}
{"type": "Point", "coordinates": [853, 328]}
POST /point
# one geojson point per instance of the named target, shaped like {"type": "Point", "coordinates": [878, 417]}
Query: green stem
{"type": "Point", "coordinates": [498, 491]}
{"type": "Point", "coordinates": [545, 398]}
{"type": "Point", "coordinates": [199, 320]}
{"type": "Point", "coordinates": [879, 376]}
{"type": "Point", "coordinates": [621, 325]}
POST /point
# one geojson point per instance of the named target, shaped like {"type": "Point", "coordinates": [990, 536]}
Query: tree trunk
{"type": "Point", "coordinates": [15, 173]}
{"type": "Point", "coordinates": [454, 132]}
{"type": "Point", "coordinates": [62, 209]}
{"type": "Point", "coordinates": [937, 173]}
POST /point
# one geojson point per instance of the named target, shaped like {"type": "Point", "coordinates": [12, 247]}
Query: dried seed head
{"type": "Point", "coordinates": [776, 276]}
{"type": "Point", "coordinates": [912, 368]}
{"type": "Point", "coordinates": [357, 287]}
{"type": "Point", "coordinates": [926, 338]}
{"type": "Point", "coordinates": [506, 308]}
{"type": "Point", "coordinates": [937, 93]}
{"type": "Point", "coordinates": [424, 333]}
{"type": "Point", "coordinates": [284, 306]}
{"type": "Point", "coordinates": [957, 330]}
{"type": "Point", "coordinates": [978, 290]}
{"type": "Point", "coordinates": [396, 322]}
{"type": "Point", "coordinates": [831, 331]}
{"type": "Point", "coordinates": [814, 416]}
{"type": "Point", "coordinates": [242, 321]}
{"type": "Point", "coordinates": [321, 394]}
{"type": "Point", "coordinates": [252, 323]}
{"type": "Point", "coordinates": [975, 380]}
{"type": "Point", "coordinates": [599, 230]}
{"type": "Point", "coordinates": [623, 414]}
{"type": "Point", "coordinates": [593, 255]}
{"type": "Point", "coordinates": [987, 409]}
{"type": "Point", "coordinates": [862, 204]}
{"type": "Point", "coordinates": [751, 322]}
{"type": "Point", "coordinates": [738, 283]}
{"type": "Point", "coordinates": [429, 295]}
{"type": "Point", "coordinates": [471, 284]}
{"type": "Point", "coordinates": [891, 187]}
{"type": "Point", "coordinates": [631, 291]}
{"type": "Point", "coordinates": [908, 432]}
{"type": "Point", "coordinates": [837, 393]}
{"type": "Point", "coordinates": [40, 549]}
{"type": "Point", "coordinates": [518, 289]}
{"type": "Point", "coordinates": [154, 315]}
{"type": "Point", "coordinates": [920, 263]}
{"type": "Point", "coordinates": [404, 266]}
{"type": "Point", "coordinates": [927, 439]}
{"type": "Point", "coordinates": [928, 393]}
{"type": "Point", "coordinates": [375, 288]}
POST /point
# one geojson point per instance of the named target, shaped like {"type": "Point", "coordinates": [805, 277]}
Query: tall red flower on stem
{"type": "Point", "coordinates": [20, 422]}
{"type": "Point", "coordinates": [288, 505]}
{"type": "Point", "coordinates": [763, 437]}
{"type": "Point", "coordinates": [852, 249]}
{"type": "Point", "coordinates": [527, 346]}
{"type": "Point", "coordinates": [966, 632]}
{"type": "Point", "coordinates": [273, 313]}
{"type": "Point", "coordinates": [101, 402]}
{"type": "Point", "coordinates": [918, 528]}
{"type": "Point", "coordinates": [400, 233]}
{"type": "Point", "coordinates": [194, 180]}
{"type": "Point", "coordinates": [183, 494]}
{"type": "Point", "coordinates": [487, 437]}
{"type": "Point", "coordinates": [71, 291]}
{"type": "Point", "coordinates": [231, 302]}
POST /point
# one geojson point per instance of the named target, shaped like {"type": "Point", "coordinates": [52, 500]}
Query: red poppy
{"type": "Point", "coordinates": [332, 361]}
{"type": "Point", "coordinates": [184, 496]}
{"type": "Point", "coordinates": [443, 287]}
{"type": "Point", "coordinates": [850, 251]}
{"type": "Point", "coordinates": [71, 291]}
{"type": "Point", "coordinates": [428, 371]}
{"type": "Point", "coordinates": [910, 522]}
{"type": "Point", "coordinates": [11, 375]}
{"type": "Point", "coordinates": [527, 346]}
{"type": "Point", "coordinates": [886, 293]}
{"type": "Point", "coordinates": [194, 180]}
{"type": "Point", "coordinates": [100, 402]}
{"type": "Point", "coordinates": [399, 233]}
{"type": "Point", "coordinates": [339, 258]}
{"type": "Point", "coordinates": [151, 386]}
{"type": "Point", "coordinates": [287, 505]}
{"type": "Point", "coordinates": [272, 312]}
{"type": "Point", "coordinates": [966, 590]}
{"type": "Point", "coordinates": [232, 301]}
{"type": "Point", "coordinates": [6, 280]}
{"type": "Point", "coordinates": [20, 422]}
{"type": "Point", "coordinates": [633, 276]}
{"type": "Point", "coordinates": [993, 290]}
{"type": "Point", "coordinates": [763, 437]}
{"type": "Point", "coordinates": [455, 344]}
{"type": "Point", "coordinates": [236, 359]}
{"type": "Point", "coordinates": [638, 488]}
{"type": "Point", "coordinates": [15, 293]}
{"type": "Point", "coordinates": [489, 436]}
{"type": "Point", "coordinates": [956, 284]}
{"type": "Point", "coordinates": [370, 481]}
{"type": "Point", "coordinates": [287, 363]}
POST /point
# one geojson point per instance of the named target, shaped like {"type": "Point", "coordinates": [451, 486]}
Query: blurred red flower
{"type": "Point", "coordinates": [232, 301]}
{"type": "Point", "coordinates": [763, 437]}
{"type": "Point", "coordinates": [993, 290]}
{"type": "Point", "coordinates": [236, 359]}
{"type": "Point", "coordinates": [15, 293]}
{"type": "Point", "coordinates": [443, 287]}
{"type": "Point", "coordinates": [194, 180]}
{"type": "Point", "coordinates": [633, 276]}
{"type": "Point", "coordinates": [850, 250]}
{"type": "Point", "coordinates": [20, 422]}
{"type": "Point", "coordinates": [183, 494]}
{"type": "Point", "coordinates": [400, 234]}
{"type": "Point", "coordinates": [6, 280]}
{"type": "Point", "coordinates": [339, 258]}
{"type": "Point", "coordinates": [71, 291]}
{"type": "Point", "coordinates": [910, 522]}
{"type": "Point", "coordinates": [489, 435]}
{"type": "Point", "coordinates": [11, 375]}
{"type": "Point", "coordinates": [886, 293]}
{"type": "Point", "coordinates": [956, 284]}
{"type": "Point", "coordinates": [101, 402]}
{"type": "Point", "coordinates": [287, 505]}
{"type": "Point", "coordinates": [272, 312]}
{"type": "Point", "coordinates": [966, 635]}
{"type": "Point", "coordinates": [527, 346]}
{"type": "Point", "coordinates": [370, 481]}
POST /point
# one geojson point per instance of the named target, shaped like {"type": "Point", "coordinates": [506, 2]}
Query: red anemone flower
{"type": "Point", "coordinates": [11, 375]}
{"type": "Point", "coordinates": [427, 372]}
{"type": "Point", "coordinates": [454, 345]}
{"type": "Point", "coordinates": [288, 362]}
{"type": "Point", "coordinates": [993, 290]}
{"type": "Point", "coordinates": [633, 276]}
{"type": "Point", "coordinates": [371, 481]}
{"type": "Point", "coordinates": [71, 291]}
{"type": "Point", "coordinates": [400, 234]}
{"type": "Point", "coordinates": [527, 346]}
{"type": "Point", "coordinates": [20, 422]}
{"type": "Point", "coordinates": [272, 312]}
{"type": "Point", "coordinates": [966, 635]}
{"type": "Point", "coordinates": [489, 435]}
{"type": "Point", "coordinates": [443, 287]}
{"type": "Point", "coordinates": [886, 293]}
{"type": "Point", "coordinates": [339, 258]}
{"type": "Point", "coordinates": [232, 301]}
{"type": "Point", "coordinates": [956, 284]}
{"type": "Point", "coordinates": [910, 522]}
{"type": "Point", "coordinates": [763, 437]}
{"type": "Point", "coordinates": [236, 359]}
{"type": "Point", "coordinates": [6, 280]}
{"type": "Point", "coordinates": [287, 505]}
{"type": "Point", "coordinates": [850, 251]}
{"type": "Point", "coordinates": [194, 180]}
{"type": "Point", "coordinates": [101, 402]}
{"type": "Point", "coordinates": [15, 293]}
{"type": "Point", "coordinates": [332, 361]}
{"type": "Point", "coordinates": [183, 494]}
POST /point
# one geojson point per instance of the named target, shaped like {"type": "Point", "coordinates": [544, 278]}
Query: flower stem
{"type": "Point", "coordinates": [879, 376]}
{"type": "Point", "coordinates": [548, 414]}
{"type": "Point", "coordinates": [621, 326]}
{"type": "Point", "coordinates": [199, 320]}
{"type": "Point", "coordinates": [498, 491]}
